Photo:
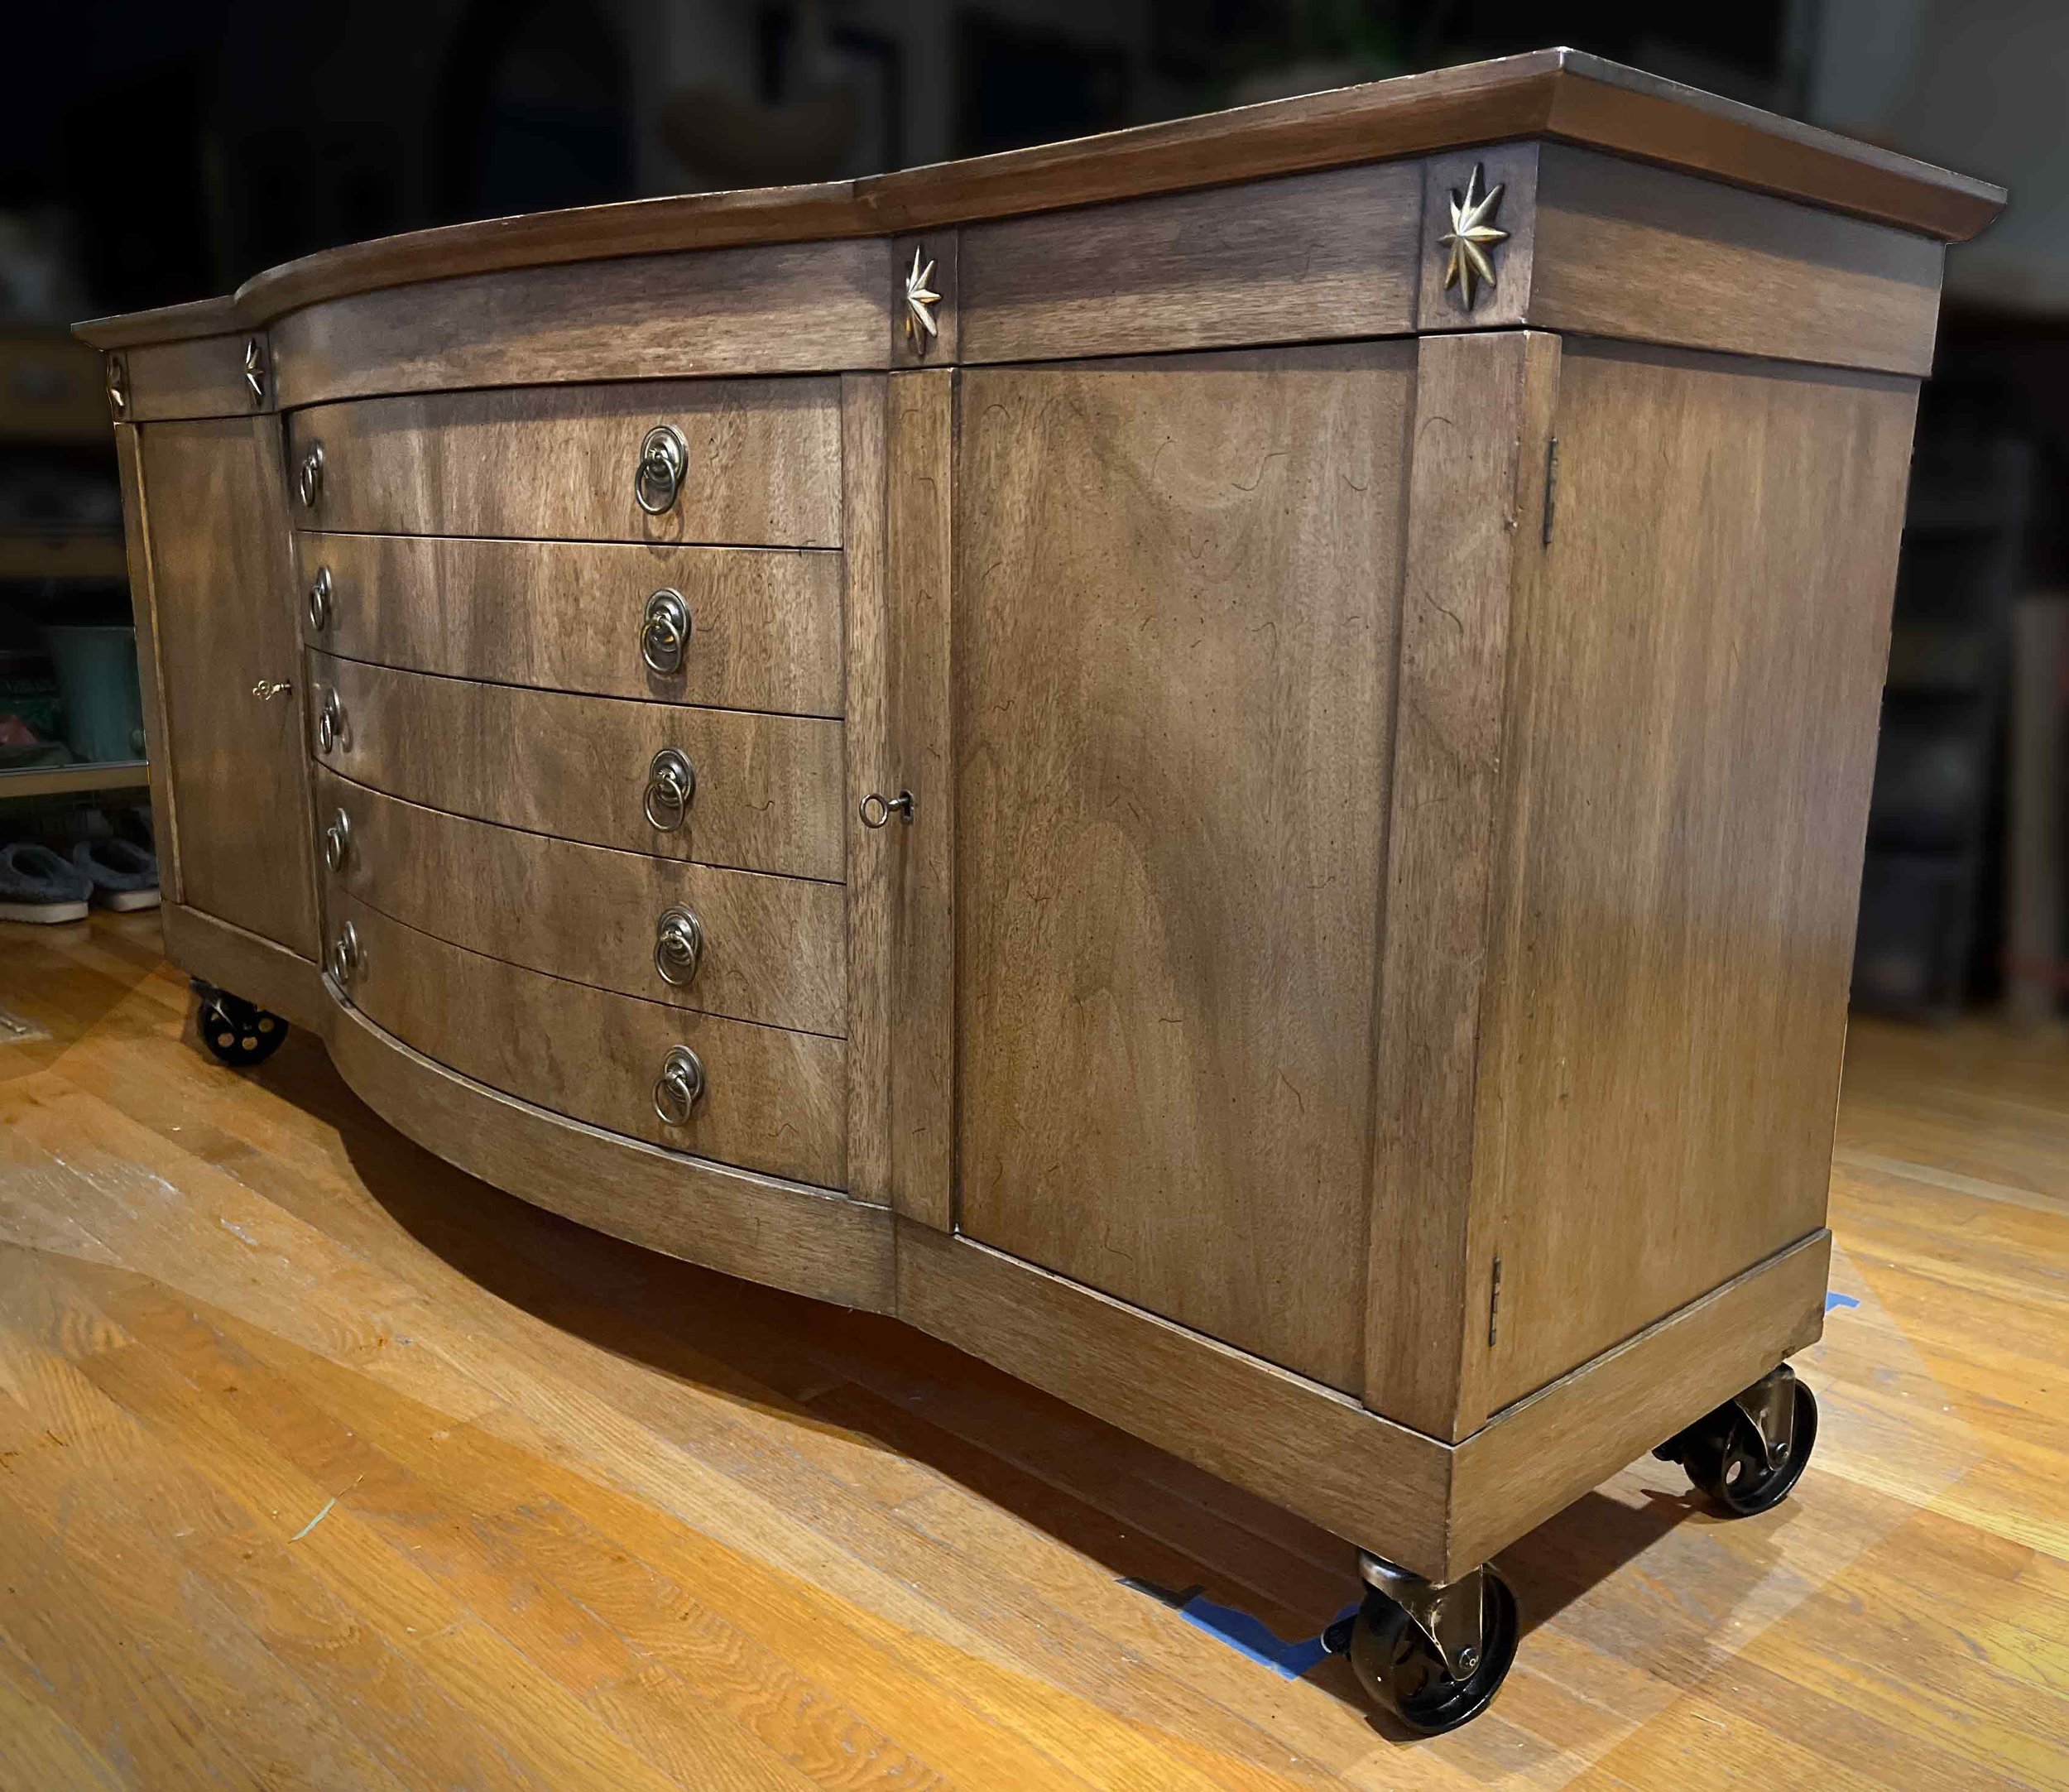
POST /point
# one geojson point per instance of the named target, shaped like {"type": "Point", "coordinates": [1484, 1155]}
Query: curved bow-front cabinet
{"type": "Point", "coordinates": [1226, 765]}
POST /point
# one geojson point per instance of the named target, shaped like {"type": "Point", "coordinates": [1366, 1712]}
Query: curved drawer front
{"type": "Point", "coordinates": [757, 463]}
{"type": "Point", "coordinates": [764, 625]}
{"type": "Point", "coordinates": [772, 1100]}
{"type": "Point", "coordinates": [768, 788]}
{"type": "Point", "coordinates": [774, 949]}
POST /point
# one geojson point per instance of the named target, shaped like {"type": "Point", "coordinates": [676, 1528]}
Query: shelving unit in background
{"type": "Point", "coordinates": [60, 533]}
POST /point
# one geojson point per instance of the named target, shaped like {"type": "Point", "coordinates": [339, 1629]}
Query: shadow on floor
{"type": "Point", "coordinates": [1137, 1511]}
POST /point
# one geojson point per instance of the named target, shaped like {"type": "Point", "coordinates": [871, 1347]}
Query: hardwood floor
{"type": "Point", "coordinates": [323, 1465]}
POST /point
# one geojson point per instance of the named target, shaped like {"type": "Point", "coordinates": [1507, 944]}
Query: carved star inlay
{"type": "Point", "coordinates": [920, 299]}
{"type": "Point", "coordinates": [1471, 234]}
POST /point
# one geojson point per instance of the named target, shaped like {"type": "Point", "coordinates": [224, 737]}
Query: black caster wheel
{"type": "Point", "coordinates": [1746, 1455]}
{"type": "Point", "coordinates": [1432, 1656]}
{"type": "Point", "coordinates": [238, 1033]}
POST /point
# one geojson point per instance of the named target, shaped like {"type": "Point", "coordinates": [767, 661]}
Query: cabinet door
{"type": "Point", "coordinates": [217, 525]}
{"type": "Point", "coordinates": [1172, 631]}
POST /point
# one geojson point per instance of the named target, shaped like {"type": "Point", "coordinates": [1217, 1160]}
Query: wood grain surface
{"type": "Point", "coordinates": [1567, 95]}
{"type": "Point", "coordinates": [150, 675]}
{"type": "Point", "coordinates": [773, 1100]}
{"type": "Point", "coordinates": [1483, 408]}
{"type": "Point", "coordinates": [555, 462]}
{"type": "Point", "coordinates": [764, 624]}
{"type": "Point", "coordinates": [1304, 259]}
{"type": "Point", "coordinates": [774, 951]}
{"type": "Point", "coordinates": [921, 758]}
{"type": "Point", "coordinates": [255, 969]}
{"type": "Point", "coordinates": [1625, 250]}
{"type": "Point", "coordinates": [795, 308]}
{"type": "Point", "coordinates": [1694, 686]}
{"type": "Point", "coordinates": [1175, 623]}
{"type": "Point", "coordinates": [235, 765]}
{"type": "Point", "coordinates": [577, 1504]}
{"type": "Point", "coordinates": [194, 377]}
{"type": "Point", "coordinates": [768, 788]}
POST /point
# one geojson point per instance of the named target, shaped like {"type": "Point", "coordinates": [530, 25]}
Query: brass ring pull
{"type": "Point", "coordinates": [310, 481]}
{"type": "Point", "coordinates": [671, 786]}
{"type": "Point", "coordinates": [679, 946]}
{"type": "Point", "coordinates": [680, 1086]}
{"type": "Point", "coordinates": [665, 630]}
{"type": "Point", "coordinates": [330, 721]}
{"type": "Point", "coordinates": [319, 595]}
{"type": "Point", "coordinates": [255, 369]}
{"type": "Point", "coordinates": [338, 841]}
{"type": "Point", "coordinates": [267, 688]}
{"type": "Point", "coordinates": [876, 810]}
{"type": "Point", "coordinates": [663, 459]}
{"type": "Point", "coordinates": [347, 957]}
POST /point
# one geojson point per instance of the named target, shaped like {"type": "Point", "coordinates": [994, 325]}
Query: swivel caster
{"type": "Point", "coordinates": [1747, 1454]}
{"type": "Point", "coordinates": [237, 1032]}
{"type": "Point", "coordinates": [1433, 1656]}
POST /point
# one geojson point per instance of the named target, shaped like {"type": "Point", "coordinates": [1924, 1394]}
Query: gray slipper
{"type": "Point", "coordinates": [35, 885]}
{"type": "Point", "coordinates": [123, 875]}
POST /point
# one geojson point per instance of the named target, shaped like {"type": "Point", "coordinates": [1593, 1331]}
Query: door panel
{"type": "Point", "coordinates": [219, 577]}
{"type": "Point", "coordinates": [1173, 629]}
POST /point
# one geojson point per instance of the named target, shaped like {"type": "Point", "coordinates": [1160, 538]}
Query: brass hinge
{"type": "Point", "coordinates": [1551, 487]}
{"type": "Point", "coordinates": [1494, 1304]}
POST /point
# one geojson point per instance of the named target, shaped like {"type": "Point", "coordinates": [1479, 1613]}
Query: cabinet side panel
{"type": "Point", "coordinates": [218, 543]}
{"type": "Point", "coordinates": [1175, 618]}
{"type": "Point", "coordinates": [1693, 702]}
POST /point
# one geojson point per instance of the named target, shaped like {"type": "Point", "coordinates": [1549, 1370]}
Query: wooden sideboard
{"type": "Point", "coordinates": [1226, 765]}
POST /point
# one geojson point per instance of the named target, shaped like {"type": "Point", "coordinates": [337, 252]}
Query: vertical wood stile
{"type": "Point", "coordinates": [921, 509]}
{"type": "Point", "coordinates": [1483, 408]}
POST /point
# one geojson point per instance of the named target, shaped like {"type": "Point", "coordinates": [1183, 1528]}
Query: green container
{"type": "Point", "coordinates": [97, 681]}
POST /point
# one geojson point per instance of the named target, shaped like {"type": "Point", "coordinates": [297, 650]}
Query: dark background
{"type": "Point", "coordinates": [154, 153]}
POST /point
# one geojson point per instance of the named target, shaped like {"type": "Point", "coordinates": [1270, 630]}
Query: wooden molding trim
{"type": "Point", "coordinates": [1560, 94]}
{"type": "Point", "coordinates": [1537, 1457]}
{"type": "Point", "coordinates": [1290, 1439]}
{"type": "Point", "coordinates": [783, 1234]}
{"type": "Point", "coordinates": [246, 965]}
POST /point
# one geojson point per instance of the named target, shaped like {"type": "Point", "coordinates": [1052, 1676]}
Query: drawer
{"type": "Point", "coordinates": [759, 461]}
{"type": "Point", "coordinates": [772, 1100]}
{"type": "Point", "coordinates": [765, 790]}
{"type": "Point", "coordinates": [764, 625]}
{"type": "Point", "coordinates": [775, 950]}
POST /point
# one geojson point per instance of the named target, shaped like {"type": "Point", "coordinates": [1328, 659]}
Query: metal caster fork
{"type": "Point", "coordinates": [1434, 1656]}
{"type": "Point", "coordinates": [237, 1032]}
{"type": "Point", "coordinates": [1748, 1453]}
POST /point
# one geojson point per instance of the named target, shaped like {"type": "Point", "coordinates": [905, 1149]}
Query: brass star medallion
{"type": "Point", "coordinates": [920, 299]}
{"type": "Point", "coordinates": [1469, 237]}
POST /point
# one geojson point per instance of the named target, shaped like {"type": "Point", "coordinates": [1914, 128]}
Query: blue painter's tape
{"type": "Point", "coordinates": [1833, 1301]}
{"type": "Point", "coordinates": [1254, 1638]}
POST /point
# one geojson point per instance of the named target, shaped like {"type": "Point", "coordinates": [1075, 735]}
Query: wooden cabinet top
{"type": "Point", "coordinates": [1557, 96]}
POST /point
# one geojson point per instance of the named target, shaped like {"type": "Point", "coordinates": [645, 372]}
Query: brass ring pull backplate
{"type": "Point", "coordinates": [338, 841]}
{"type": "Point", "coordinates": [665, 630]}
{"type": "Point", "coordinates": [663, 459]}
{"type": "Point", "coordinates": [320, 596]}
{"type": "Point", "coordinates": [671, 787]}
{"type": "Point", "coordinates": [680, 1086]}
{"type": "Point", "coordinates": [309, 482]}
{"type": "Point", "coordinates": [679, 946]}
{"type": "Point", "coordinates": [347, 956]}
{"type": "Point", "coordinates": [255, 369]}
{"type": "Point", "coordinates": [876, 810]}
{"type": "Point", "coordinates": [330, 721]}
